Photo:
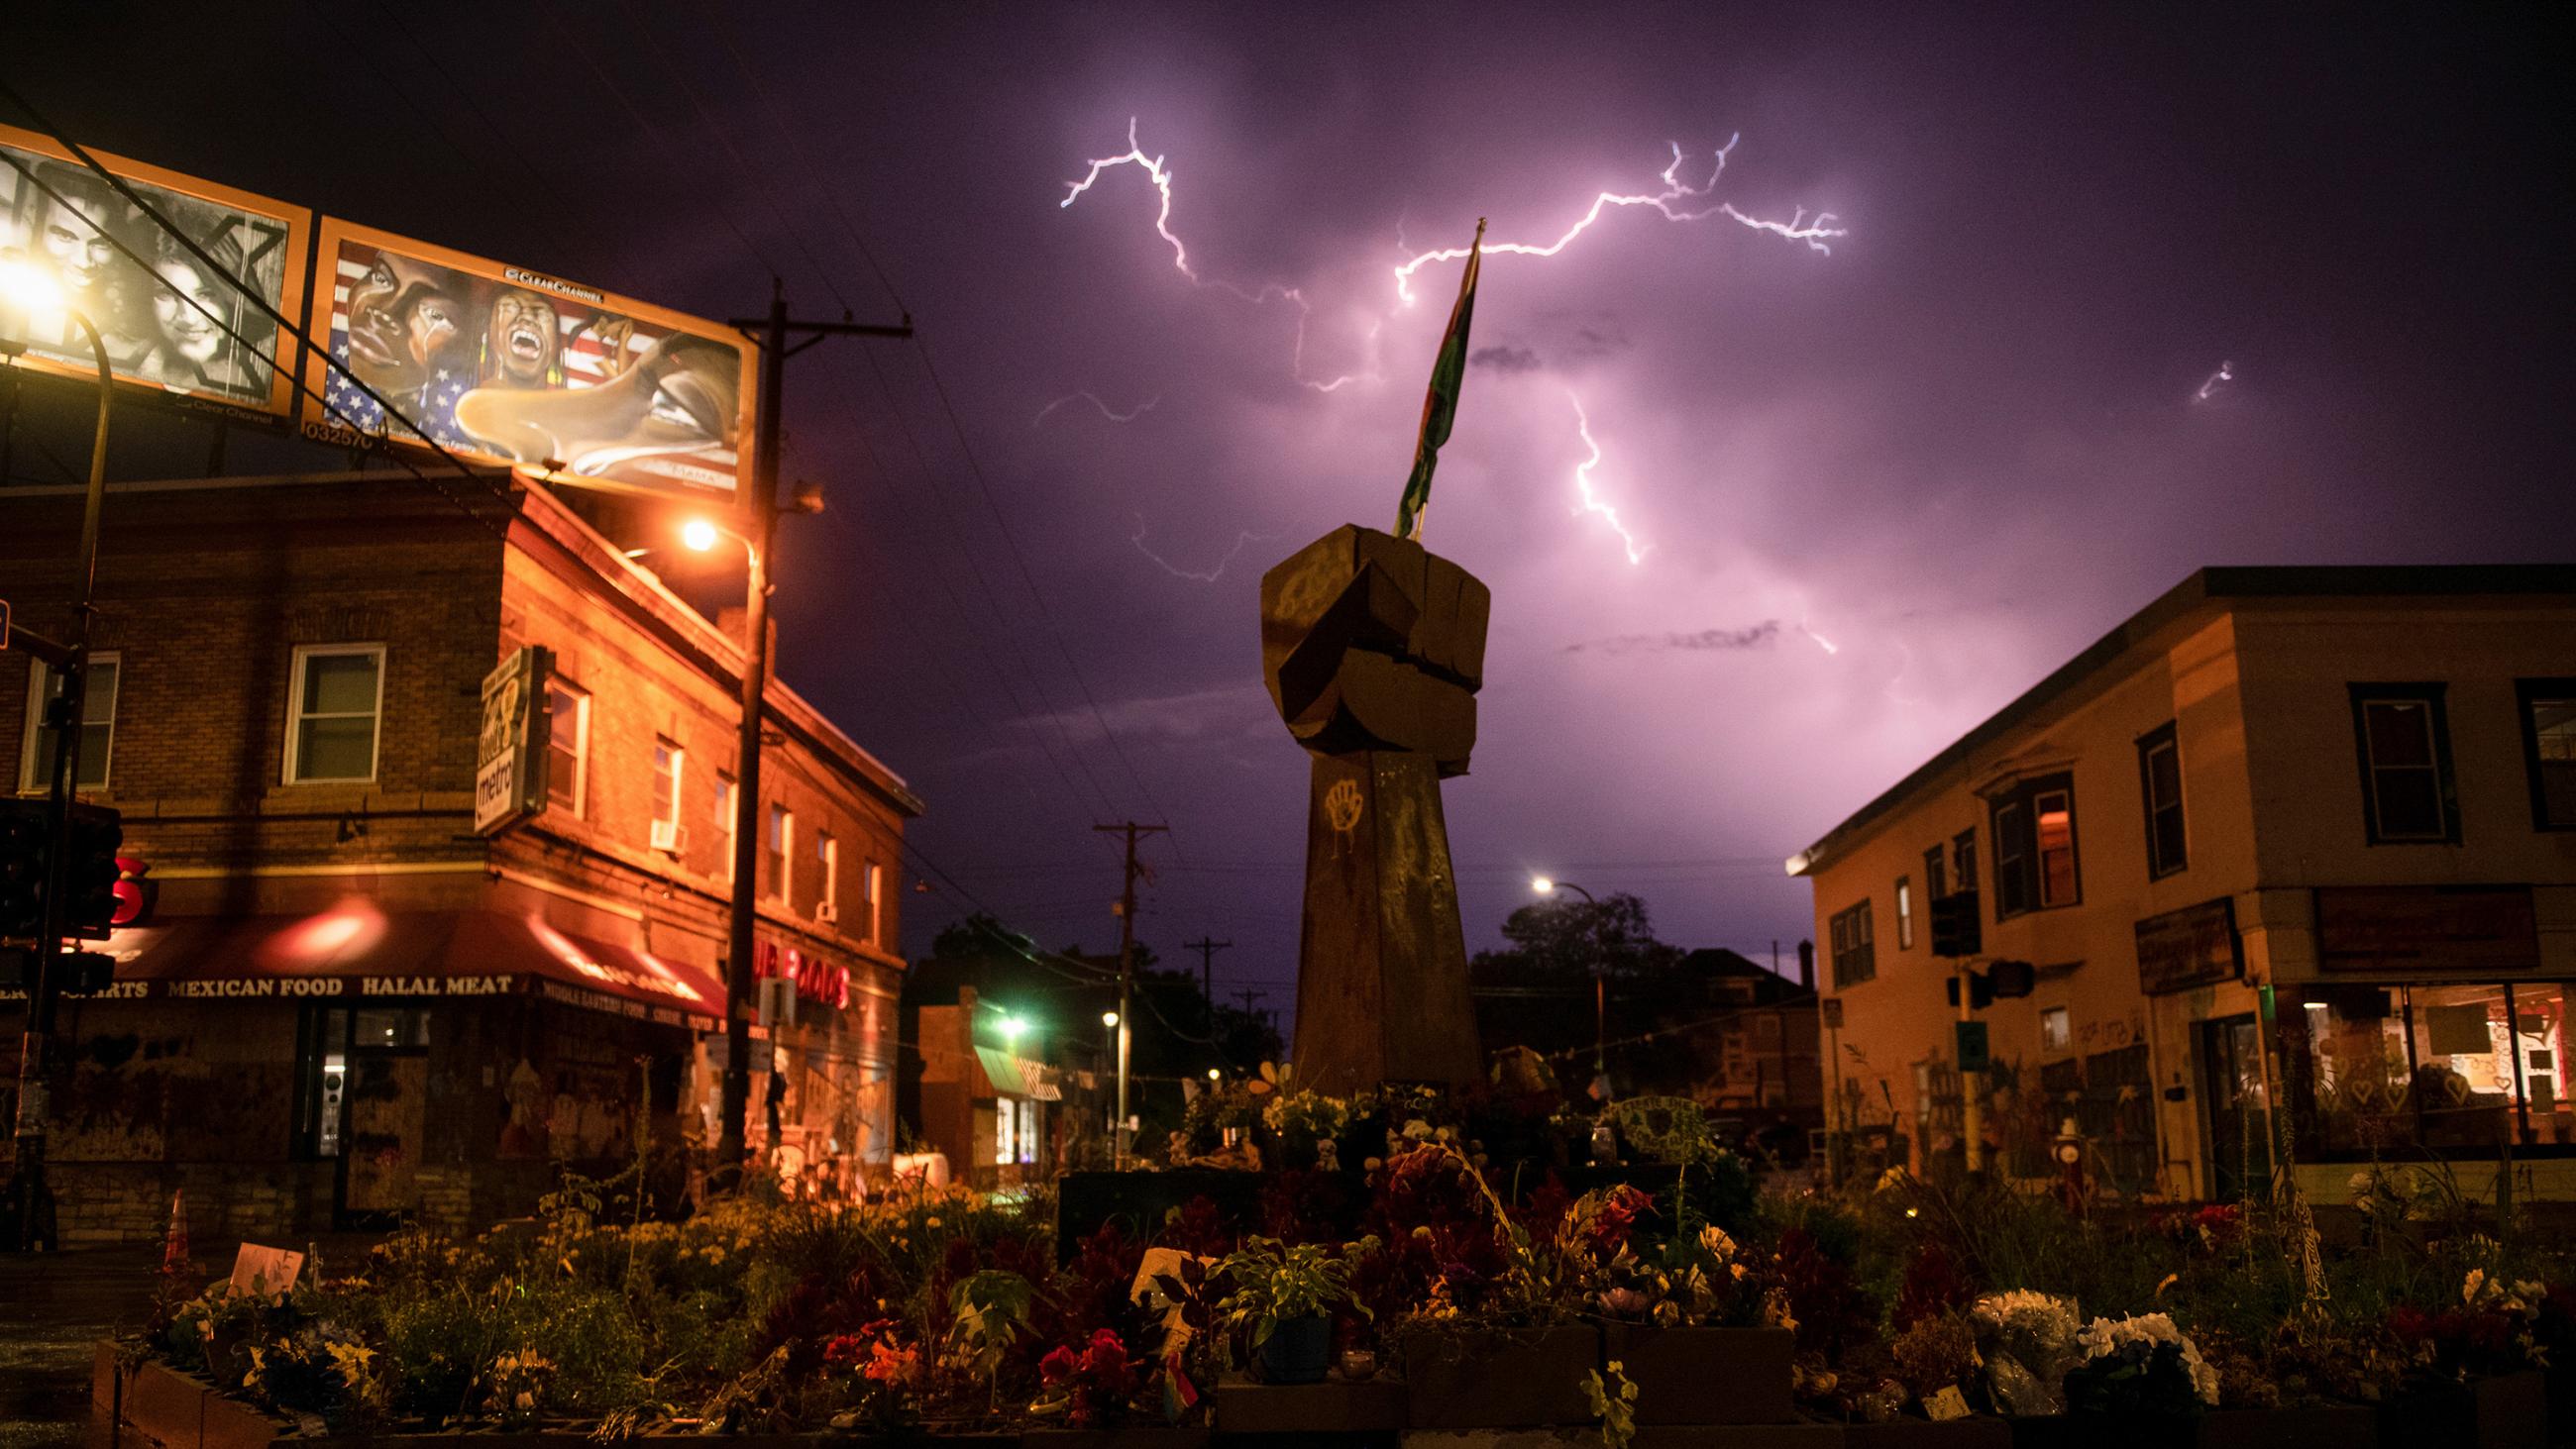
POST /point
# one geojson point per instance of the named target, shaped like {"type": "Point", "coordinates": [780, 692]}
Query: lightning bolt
{"type": "Point", "coordinates": [1194, 576]}
{"type": "Point", "coordinates": [1821, 641]}
{"type": "Point", "coordinates": [1817, 231]}
{"type": "Point", "coordinates": [2226, 373]}
{"type": "Point", "coordinates": [1583, 485]}
{"type": "Point", "coordinates": [1161, 177]}
{"type": "Point", "coordinates": [1106, 411]}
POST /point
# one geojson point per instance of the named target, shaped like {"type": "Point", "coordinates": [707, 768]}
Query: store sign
{"type": "Point", "coordinates": [174, 325]}
{"type": "Point", "coordinates": [2445, 929]}
{"type": "Point", "coordinates": [520, 368]}
{"type": "Point", "coordinates": [817, 980]}
{"type": "Point", "coordinates": [2194, 946]}
{"type": "Point", "coordinates": [510, 760]}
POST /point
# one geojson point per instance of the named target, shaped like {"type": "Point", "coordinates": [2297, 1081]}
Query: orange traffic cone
{"type": "Point", "coordinates": [174, 1244]}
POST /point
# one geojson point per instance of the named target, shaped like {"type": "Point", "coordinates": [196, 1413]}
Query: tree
{"type": "Point", "coordinates": [1563, 941]}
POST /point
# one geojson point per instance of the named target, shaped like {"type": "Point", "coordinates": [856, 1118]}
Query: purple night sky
{"type": "Point", "coordinates": [1958, 448]}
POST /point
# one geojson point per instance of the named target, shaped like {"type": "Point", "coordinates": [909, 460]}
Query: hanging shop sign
{"type": "Point", "coordinates": [2194, 946]}
{"type": "Point", "coordinates": [510, 759]}
{"type": "Point", "coordinates": [574, 384]}
{"type": "Point", "coordinates": [163, 318]}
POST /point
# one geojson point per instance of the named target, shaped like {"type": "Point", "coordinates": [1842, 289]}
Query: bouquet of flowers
{"type": "Point", "coordinates": [2028, 1342]}
{"type": "Point", "coordinates": [2140, 1365]}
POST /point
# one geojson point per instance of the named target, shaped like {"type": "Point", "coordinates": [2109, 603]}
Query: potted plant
{"type": "Point", "coordinates": [1282, 1304]}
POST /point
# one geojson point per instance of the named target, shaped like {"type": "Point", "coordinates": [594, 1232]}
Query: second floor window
{"type": "Point", "coordinates": [827, 854]}
{"type": "Point", "coordinates": [2548, 747]}
{"type": "Point", "coordinates": [2160, 786]}
{"type": "Point", "coordinates": [2405, 748]}
{"type": "Point", "coordinates": [726, 824]}
{"type": "Point", "coordinates": [667, 773]}
{"type": "Point", "coordinates": [1904, 914]}
{"type": "Point", "coordinates": [337, 694]}
{"type": "Point", "coordinates": [875, 904]}
{"type": "Point", "coordinates": [567, 746]}
{"type": "Point", "coordinates": [2035, 857]}
{"type": "Point", "coordinates": [98, 725]}
{"type": "Point", "coordinates": [778, 847]}
{"type": "Point", "coordinates": [1935, 873]}
{"type": "Point", "coordinates": [1855, 952]}
{"type": "Point", "coordinates": [1963, 856]}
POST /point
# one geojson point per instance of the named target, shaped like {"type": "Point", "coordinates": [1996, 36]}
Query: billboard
{"type": "Point", "coordinates": [154, 338]}
{"type": "Point", "coordinates": [519, 367]}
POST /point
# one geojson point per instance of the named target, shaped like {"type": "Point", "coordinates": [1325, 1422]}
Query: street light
{"type": "Point", "coordinates": [29, 1207]}
{"type": "Point", "coordinates": [1216, 1074]}
{"type": "Point", "coordinates": [1012, 1026]}
{"type": "Point", "coordinates": [1600, 989]}
{"type": "Point", "coordinates": [700, 535]}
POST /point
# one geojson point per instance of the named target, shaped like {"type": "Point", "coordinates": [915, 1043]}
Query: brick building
{"type": "Point", "coordinates": [2289, 843]}
{"type": "Point", "coordinates": [348, 1004]}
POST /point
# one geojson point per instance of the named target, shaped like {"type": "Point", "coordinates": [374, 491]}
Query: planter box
{"type": "Point", "coordinates": [2308, 1426]}
{"type": "Point", "coordinates": [1803, 1435]}
{"type": "Point", "coordinates": [175, 1410]}
{"type": "Point", "coordinates": [1376, 1406]}
{"type": "Point", "coordinates": [1704, 1375]}
{"type": "Point", "coordinates": [1969, 1433]}
{"type": "Point", "coordinates": [1498, 1379]}
{"type": "Point", "coordinates": [2507, 1412]}
{"type": "Point", "coordinates": [1127, 1436]}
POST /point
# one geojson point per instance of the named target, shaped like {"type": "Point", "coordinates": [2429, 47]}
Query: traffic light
{"type": "Point", "coordinates": [2010, 979]}
{"type": "Point", "coordinates": [1981, 992]}
{"type": "Point", "coordinates": [22, 869]}
{"type": "Point", "coordinates": [87, 973]}
{"type": "Point", "coordinates": [89, 902]}
{"type": "Point", "coordinates": [1955, 929]}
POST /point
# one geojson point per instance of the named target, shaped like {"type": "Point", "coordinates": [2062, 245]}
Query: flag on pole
{"type": "Point", "coordinates": [1440, 404]}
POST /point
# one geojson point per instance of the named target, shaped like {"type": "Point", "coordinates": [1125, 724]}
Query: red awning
{"type": "Point", "coordinates": [355, 950]}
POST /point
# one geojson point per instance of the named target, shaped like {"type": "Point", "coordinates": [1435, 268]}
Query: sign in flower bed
{"type": "Point", "coordinates": [1429, 1284]}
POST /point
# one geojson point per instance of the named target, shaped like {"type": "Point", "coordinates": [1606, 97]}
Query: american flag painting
{"type": "Point", "coordinates": [526, 369]}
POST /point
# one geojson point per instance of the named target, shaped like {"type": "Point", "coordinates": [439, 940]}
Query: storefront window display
{"type": "Point", "coordinates": [2446, 1069]}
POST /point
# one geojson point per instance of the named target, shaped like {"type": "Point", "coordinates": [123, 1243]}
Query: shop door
{"type": "Point", "coordinates": [385, 1109]}
{"type": "Point", "coordinates": [2240, 1147]}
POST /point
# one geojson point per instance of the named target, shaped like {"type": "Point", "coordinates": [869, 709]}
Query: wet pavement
{"type": "Point", "coordinates": [53, 1310]}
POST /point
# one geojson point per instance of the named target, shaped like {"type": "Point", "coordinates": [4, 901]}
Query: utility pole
{"type": "Point", "coordinates": [1127, 966]}
{"type": "Point", "coordinates": [773, 335]}
{"type": "Point", "coordinates": [1207, 950]}
{"type": "Point", "coordinates": [1250, 996]}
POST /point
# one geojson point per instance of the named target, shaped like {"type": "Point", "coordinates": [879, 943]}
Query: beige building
{"type": "Point", "coordinates": [2293, 835]}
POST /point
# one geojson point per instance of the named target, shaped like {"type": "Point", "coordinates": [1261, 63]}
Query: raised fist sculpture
{"type": "Point", "coordinates": [1373, 650]}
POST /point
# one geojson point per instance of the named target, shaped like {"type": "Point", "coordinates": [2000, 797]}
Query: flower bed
{"type": "Point", "coordinates": [1421, 1279]}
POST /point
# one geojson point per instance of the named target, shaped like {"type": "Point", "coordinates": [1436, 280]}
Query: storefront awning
{"type": "Point", "coordinates": [1017, 1076]}
{"type": "Point", "coordinates": [356, 951]}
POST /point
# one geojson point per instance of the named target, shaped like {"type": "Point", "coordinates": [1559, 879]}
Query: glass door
{"type": "Point", "coordinates": [2240, 1146]}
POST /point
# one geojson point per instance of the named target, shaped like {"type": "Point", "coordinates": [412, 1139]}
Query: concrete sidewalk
{"type": "Point", "coordinates": [53, 1307]}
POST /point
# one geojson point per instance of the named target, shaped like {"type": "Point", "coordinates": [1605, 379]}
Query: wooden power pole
{"type": "Point", "coordinates": [1127, 967]}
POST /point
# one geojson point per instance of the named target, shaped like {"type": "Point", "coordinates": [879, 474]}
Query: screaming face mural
{"type": "Point", "coordinates": [521, 368]}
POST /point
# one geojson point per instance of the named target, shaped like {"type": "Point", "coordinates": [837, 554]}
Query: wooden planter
{"type": "Point", "coordinates": [1703, 1375]}
{"type": "Point", "coordinates": [1498, 1378]}
{"type": "Point", "coordinates": [1974, 1432]}
{"type": "Point", "coordinates": [2510, 1411]}
{"type": "Point", "coordinates": [2301, 1426]}
{"type": "Point", "coordinates": [1376, 1406]}
{"type": "Point", "coordinates": [1125, 1436]}
{"type": "Point", "coordinates": [176, 1410]}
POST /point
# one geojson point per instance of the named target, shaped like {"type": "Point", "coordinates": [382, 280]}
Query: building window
{"type": "Point", "coordinates": [667, 772]}
{"type": "Point", "coordinates": [2160, 786]}
{"type": "Point", "coordinates": [1904, 914]}
{"type": "Point", "coordinates": [567, 746]}
{"type": "Point", "coordinates": [725, 825]}
{"type": "Point", "coordinates": [1963, 856]}
{"type": "Point", "coordinates": [778, 847]}
{"type": "Point", "coordinates": [2054, 1034]}
{"type": "Point", "coordinates": [338, 693]}
{"type": "Point", "coordinates": [1935, 873]}
{"type": "Point", "coordinates": [875, 904]}
{"type": "Point", "coordinates": [2548, 708]}
{"type": "Point", "coordinates": [2445, 1070]}
{"type": "Point", "coordinates": [827, 853]}
{"type": "Point", "coordinates": [1855, 952]}
{"type": "Point", "coordinates": [2405, 748]}
{"type": "Point", "coordinates": [98, 725]}
{"type": "Point", "coordinates": [2035, 854]}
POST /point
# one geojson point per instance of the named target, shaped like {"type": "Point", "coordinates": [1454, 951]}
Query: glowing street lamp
{"type": "Point", "coordinates": [698, 534]}
{"type": "Point", "coordinates": [28, 1204]}
{"type": "Point", "coordinates": [1546, 886]}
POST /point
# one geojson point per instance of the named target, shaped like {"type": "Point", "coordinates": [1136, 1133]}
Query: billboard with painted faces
{"type": "Point", "coordinates": [176, 323]}
{"type": "Point", "coordinates": [518, 367]}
